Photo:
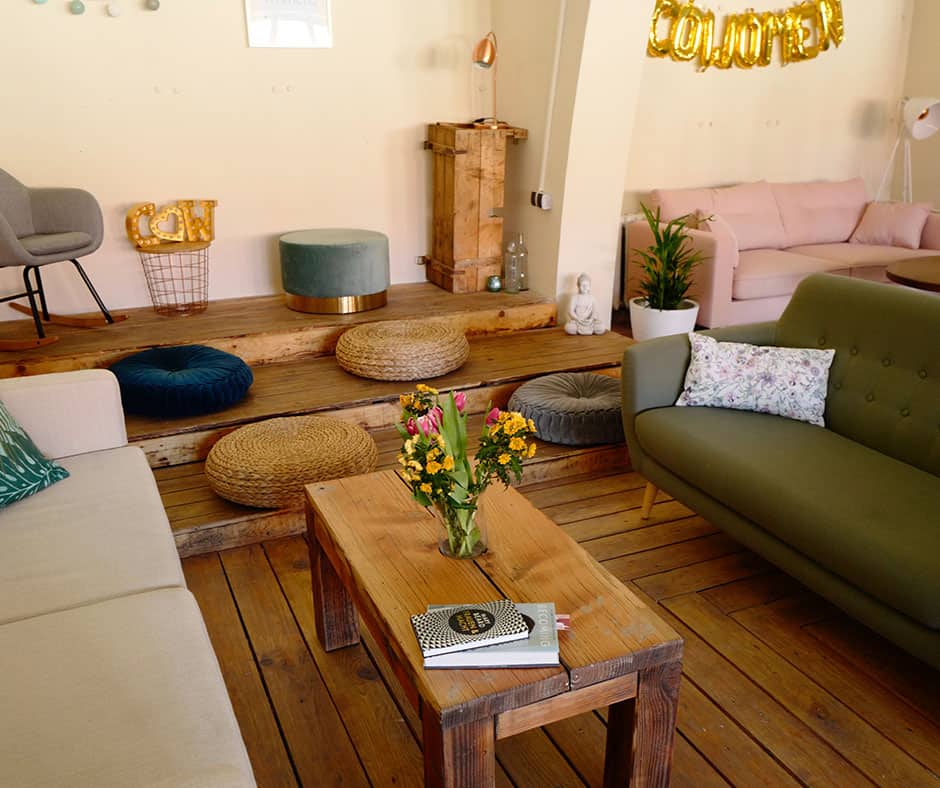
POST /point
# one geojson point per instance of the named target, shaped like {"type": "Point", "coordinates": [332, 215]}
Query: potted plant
{"type": "Point", "coordinates": [663, 309]}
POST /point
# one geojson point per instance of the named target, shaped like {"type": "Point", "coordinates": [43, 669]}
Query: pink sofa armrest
{"type": "Point", "coordinates": [713, 278]}
{"type": "Point", "coordinates": [930, 238]}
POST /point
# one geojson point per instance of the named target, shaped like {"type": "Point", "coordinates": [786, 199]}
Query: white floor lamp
{"type": "Point", "coordinates": [920, 119]}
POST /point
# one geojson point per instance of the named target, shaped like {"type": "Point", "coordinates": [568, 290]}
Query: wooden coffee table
{"type": "Point", "coordinates": [374, 550]}
{"type": "Point", "coordinates": [920, 272]}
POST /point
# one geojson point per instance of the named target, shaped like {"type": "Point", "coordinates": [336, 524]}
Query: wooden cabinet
{"type": "Point", "coordinates": [469, 171]}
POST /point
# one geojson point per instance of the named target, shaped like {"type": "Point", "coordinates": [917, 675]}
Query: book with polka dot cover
{"type": "Point", "coordinates": [469, 626]}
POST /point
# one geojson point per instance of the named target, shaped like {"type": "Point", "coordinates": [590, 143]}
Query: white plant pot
{"type": "Point", "coordinates": [650, 323]}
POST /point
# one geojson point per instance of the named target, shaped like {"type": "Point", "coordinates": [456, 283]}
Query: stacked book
{"type": "Point", "coordinates": [498, 634]}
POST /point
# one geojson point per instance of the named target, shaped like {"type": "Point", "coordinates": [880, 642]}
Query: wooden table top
{"type": "Point", "coordinates": [920, 272]}
{"type": "Point", "coordinates": [387, 546]}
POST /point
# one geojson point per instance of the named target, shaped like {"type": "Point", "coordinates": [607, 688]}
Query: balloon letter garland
{"type": "Point", "coordinates": [804, 30]}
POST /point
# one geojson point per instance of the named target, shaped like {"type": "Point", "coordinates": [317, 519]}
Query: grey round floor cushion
{"type": "Point", "coordinates": [572, 408]}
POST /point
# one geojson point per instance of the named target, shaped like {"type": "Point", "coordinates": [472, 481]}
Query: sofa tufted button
{"type": "Point", "coordinates": [922, 373]}
{"type": "Point", "coordinates": [886, 362]}
{"type": "Point", "coordinates": [837, 386]}
{"type": "Point", "coordinates": [822, 341]}
{"type": "Point", "coordinates": [869, 397]}
{"type": "Point", "coordinates": [905, 412]}
{"type": "Point", "coordinates": [853, 350]}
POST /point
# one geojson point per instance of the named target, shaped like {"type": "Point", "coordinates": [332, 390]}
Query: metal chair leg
{"type": "Point", "coordinates": [31, 294]}
{"type": "Point", "coordinates": [42, 293]}
{"type": "Point", "coordinates": [94, 293]}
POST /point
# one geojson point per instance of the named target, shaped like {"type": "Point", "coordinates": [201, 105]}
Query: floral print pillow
{"type": "Point", "coordinates": [784, 381]}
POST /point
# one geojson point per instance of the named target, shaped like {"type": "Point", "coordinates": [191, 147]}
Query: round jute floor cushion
{"type": "Point", "coordinates": [401, 350]}
{"type": "Point", "coordinates": [572, 408]}
{"type": "Point", "coordinates": [267, 464]}
{"type": "Point", "coordinates": [187, 380]}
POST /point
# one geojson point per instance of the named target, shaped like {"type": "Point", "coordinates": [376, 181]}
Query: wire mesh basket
{"type": "Point", "coordinates": [177, 276]}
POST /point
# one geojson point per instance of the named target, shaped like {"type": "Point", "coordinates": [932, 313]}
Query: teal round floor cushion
{"type": "Point", "coordinates": [186, 380]}
{"type": "Point", "coordinates": [334, 271]}
{"type": "Point", "coordinates": [572, 408]}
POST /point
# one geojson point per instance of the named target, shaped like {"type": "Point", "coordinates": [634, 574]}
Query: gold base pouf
{"type": "Point", "coordinates": [401, 350]}
{"type": "Point", "coordinates": [268, 463]}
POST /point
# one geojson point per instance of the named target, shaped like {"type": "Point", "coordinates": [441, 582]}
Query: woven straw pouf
{"type": "Point", "coordinates": [401, 350]}
{"type": "Point", "coordinates": [267, 464]}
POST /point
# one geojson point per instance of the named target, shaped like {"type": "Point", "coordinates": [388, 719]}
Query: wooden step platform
{"type": "Point", "coordinates": [498, 364]}
{"type": "Point", "coordinates": [263, 330]}
{"type": "Point", "coordinates": [203, 522]}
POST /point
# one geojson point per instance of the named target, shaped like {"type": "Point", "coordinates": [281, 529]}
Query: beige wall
{"type": "Point", "coordinates": [923, 79]}
{"type": "Point", "coordinates": [829, 118]}
{"type": "Point", "coordinates": [158, 106]}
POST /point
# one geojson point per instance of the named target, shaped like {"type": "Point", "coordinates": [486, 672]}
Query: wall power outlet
{"type": "Point", "coordinates": [541, 200]}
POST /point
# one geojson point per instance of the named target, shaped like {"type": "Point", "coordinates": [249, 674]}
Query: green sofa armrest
{"type": "Point", "coordinates": [654, 372]}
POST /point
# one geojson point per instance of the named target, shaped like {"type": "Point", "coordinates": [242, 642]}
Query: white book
{"type": "Point", "coordinates": [538, 650]}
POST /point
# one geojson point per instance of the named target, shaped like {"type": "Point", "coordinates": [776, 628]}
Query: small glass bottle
{"type": "Point", "coordinates": [522, 256]}
{"type": "Point", "coordinates": [511, 267]}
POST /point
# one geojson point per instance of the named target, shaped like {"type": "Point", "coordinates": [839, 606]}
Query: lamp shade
{"type": "Point", "coordinates": [484, 53]}
{"type": "Point", "coordinates": [922, 116]}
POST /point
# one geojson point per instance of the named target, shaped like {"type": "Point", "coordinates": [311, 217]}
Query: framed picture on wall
{"type": "Point", "coordinates": [289, 23]}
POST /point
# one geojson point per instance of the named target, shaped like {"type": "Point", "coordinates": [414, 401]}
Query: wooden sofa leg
{"type": "Point", "coordinates": [649, 498]}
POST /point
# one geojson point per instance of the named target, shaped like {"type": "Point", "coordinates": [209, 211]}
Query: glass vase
{"type": "Point", "coordinates": [462, 528]}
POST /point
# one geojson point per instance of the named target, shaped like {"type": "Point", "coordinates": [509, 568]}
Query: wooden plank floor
{"type": "Point", "coordinates": [262, 329]}
{"type": "Point", "coordinates": [778, 687]}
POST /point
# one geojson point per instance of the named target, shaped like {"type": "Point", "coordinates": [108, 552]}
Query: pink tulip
{"type": "Point", "coordinates": [431, 421]}
{"type": "Point", "coordinates": [492, 417]}
{"type": "Point", "coordinates": [460, 400]}
{"type": "Point", "coordinates": [411, 427]}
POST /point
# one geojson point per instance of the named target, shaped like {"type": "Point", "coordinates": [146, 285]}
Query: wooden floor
{"type": "Point", "coordinates": [778, 687]}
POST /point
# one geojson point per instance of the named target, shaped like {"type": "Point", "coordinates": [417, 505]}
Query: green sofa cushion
{"type": "Point", "coordinates": [867, 517]}
{"type": "Point", "coordinates": [884, 384]}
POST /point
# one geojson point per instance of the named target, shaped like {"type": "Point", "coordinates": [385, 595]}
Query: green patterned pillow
{"type": "Point", "coordinates": [23, 469]}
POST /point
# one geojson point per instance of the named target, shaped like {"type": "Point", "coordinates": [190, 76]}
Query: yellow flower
{"type": "Point", "coordinates": [425, 389]}
{"type": "Point", "coordinates": [531, 425]}
{"type": "Point", "coordinates": [433, 453]}
{"type": "Point", "coordinates": [402, 460]}
{"type": "Point", "coordinates": [504, 459]}
{"type": "Point", "coordinates": [406, 400]}
{"type": "Point", "coordinates": [439, 439]}
{"type": "Point", "coordinates": [425, 488]}
{"type": "Point", "coordinates": [494, 429]}
{"type": "Point", "coordinates": [531, 449]}
{"type": "Point", "coordinates": [448, 463]}
{"type": "Point", "coordinates": [434, 467]}
{"type": "Point", "coordinates": [415, 464]}
{"type": "Point", "coordinates": [517, 444]}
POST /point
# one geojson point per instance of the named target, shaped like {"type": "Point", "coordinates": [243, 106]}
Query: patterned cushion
{"type": "Point", "coordinates": [783, 381]}
{"type": "Point", "coordinates": [23, 469]}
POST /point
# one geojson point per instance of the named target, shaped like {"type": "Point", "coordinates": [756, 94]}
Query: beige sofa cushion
{"type": "Point", "coordinates": [855, 255]}
{"type": "Point", "coordinates": [762, 273]}
{"type": "Point", "coordinates": [99, 534]}
{"type": "Point", "coordinates": [125, 692]}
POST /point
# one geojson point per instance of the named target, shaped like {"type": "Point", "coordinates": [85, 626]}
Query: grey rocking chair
{"type": "Point", "coordinates": [43, 226]}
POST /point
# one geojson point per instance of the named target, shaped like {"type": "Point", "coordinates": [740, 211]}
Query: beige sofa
{"type": "Point", "coordinates": [107, 674]}
{"type": "Point", "coordinates": [767, 238]}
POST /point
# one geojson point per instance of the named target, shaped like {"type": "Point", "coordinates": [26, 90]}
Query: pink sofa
{"type": "Point", "coordinates": [766, 238]}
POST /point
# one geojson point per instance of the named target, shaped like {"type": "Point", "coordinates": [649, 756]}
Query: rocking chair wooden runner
{"type": "Point", "coordinates": [43, 226]}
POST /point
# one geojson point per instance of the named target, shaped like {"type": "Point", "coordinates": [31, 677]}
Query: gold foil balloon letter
{"type": "Point", "coordinates": [683, 31]}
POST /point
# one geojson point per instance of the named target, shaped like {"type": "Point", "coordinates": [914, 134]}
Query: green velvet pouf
{"type": "Point", "coordinates": [334, 270]}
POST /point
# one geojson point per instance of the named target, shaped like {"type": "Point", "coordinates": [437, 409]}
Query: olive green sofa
{"type": "Point", "coordinates": [851, 510]}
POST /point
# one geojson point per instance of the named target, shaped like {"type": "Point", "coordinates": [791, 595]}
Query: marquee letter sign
{"type": "Point", "coordinates": [683, 31]}
{"type": "Point", "coordinates": [173, 223]}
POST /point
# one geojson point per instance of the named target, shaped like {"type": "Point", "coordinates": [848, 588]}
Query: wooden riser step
{"type": "Point", "coordinates": [498, 364]}
{"type": "Point", "coordinates": [203, 522]}
{"type": "Point", "coordinates": [263, 330]}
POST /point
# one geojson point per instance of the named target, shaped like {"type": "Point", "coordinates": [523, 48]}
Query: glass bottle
{"type": "Point", "coordinates": [522, 255]}
{"type": "Point", "coordinates": [511, 266]}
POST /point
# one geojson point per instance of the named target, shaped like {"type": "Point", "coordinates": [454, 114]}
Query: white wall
{"type": "Point", "coordinates": [829, 118]}
{"type": "Point", "coordinates": [923, 79]}
{"type": "Point", "coordinates": [158, 106]}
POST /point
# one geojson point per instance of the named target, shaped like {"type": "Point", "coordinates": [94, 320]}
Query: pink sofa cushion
{"type": "Point", "coordinates": [750, 209]}
{"type": "Point", "coordinates": [764, 273]}
{"type": "Point", "coordinates": [892, 224]}
{"type": "Point", "coordinates": [820, 213]}
{"type": "Point", "coordinates": [855, 255]}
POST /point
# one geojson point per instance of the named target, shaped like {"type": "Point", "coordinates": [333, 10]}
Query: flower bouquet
{"type": "Point", "coordinates": [436, 466]}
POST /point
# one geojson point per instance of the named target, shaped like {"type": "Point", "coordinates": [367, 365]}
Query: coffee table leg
{"type": "Point", "coordinates": [641, 731]}
{"type": "Point", "coordinates": [461, 756]}
{"type": "Point", "coordinates": [337, 624]}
